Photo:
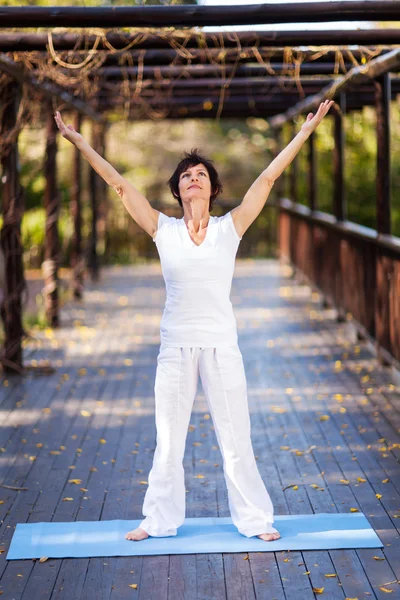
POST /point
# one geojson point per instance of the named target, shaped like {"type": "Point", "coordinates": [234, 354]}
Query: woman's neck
{"type": "Point", "coordinates": [197, 214]}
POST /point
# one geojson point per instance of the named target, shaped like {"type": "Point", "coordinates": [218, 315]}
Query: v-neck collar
{"type": "Point", "coordinates": [188, 235]}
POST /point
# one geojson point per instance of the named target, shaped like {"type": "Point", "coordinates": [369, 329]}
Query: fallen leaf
{"type": "Point", "coordinates": [43, 559]}
{"type": "Point", "coordinates": [378, 558]}
{"type": "Point", "coordinates": [379, 496]}
{"type": "Point", "coordinates": [385, 480]}
{"type": "Point", "coordinates": [67, 499]}
{"type": "Point", "coordinates": [318, 590]}
{"type": "Point", "coordinates": [330, 575]}
{"type": "Point", "coordinates": [345, 481]}
{"type": "Point", "coordinates": [354, 510]}
{"type": "Point", "coordinates": [361, 479]}
{"type": "Point", "coordinates": [77, 481]}
{"type": "Point", "coordinates": [292, 485]}
{"type": "Point", "coordinates": [386, 590]}
{"type": "Point", "coordinates": [323, 418]}
{"type": "Point", "coordinates": [133, 585]}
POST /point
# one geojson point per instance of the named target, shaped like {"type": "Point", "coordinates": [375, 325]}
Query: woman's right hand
{"type": "Point", "coordinates": [67, 131]}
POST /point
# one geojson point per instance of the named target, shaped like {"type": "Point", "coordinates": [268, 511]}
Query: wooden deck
{"type": "Point", "coordinates": [325, 417]}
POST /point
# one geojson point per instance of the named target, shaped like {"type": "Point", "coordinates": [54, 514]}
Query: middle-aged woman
{"type": "Point", "coordinates": [199, 334]}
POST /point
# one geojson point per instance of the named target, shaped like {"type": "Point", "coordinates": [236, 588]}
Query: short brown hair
{"type": "Point", "coordinates": [191, 159]}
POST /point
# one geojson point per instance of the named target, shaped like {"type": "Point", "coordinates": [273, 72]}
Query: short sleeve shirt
{"type": "Point", "coordinates": [198, 279]}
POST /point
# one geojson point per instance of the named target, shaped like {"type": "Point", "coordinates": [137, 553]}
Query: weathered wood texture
{"type": "Point", "coordinates": [338, 160]}
{"type": "Point", "coordinates": [13, 282]}
{"type": "Point", "coordinates": [383, 171]}
{"type": "Point", "coordinates": [52, 204]}
{"type": "Point", "coordinates": [96, 188]}
{"type": "Point", "coordinates": [312, 173]}
{"type": "Point", "coordinates": [23, 42]}
{"type": "Point", "coordinates": [196, 16]}
{"type": "Point", "coordinates": [93, 420]}
{"type": "Point", "coordinates": [356, 76]}
{"type": "Point", "coordinates": [48, 90]}
{"type": "Point", "coordinates": [77, 255]}
{"type": "Point", "coordinates": [357, 271]}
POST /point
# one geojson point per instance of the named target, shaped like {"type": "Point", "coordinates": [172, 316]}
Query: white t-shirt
{"type": "Point", "coordinates": [198, 279]}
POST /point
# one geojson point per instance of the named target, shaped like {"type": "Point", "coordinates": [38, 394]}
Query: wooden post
{"type": "Point", "coordinates": [383, 200]}
{"type": "Point", "coordinates": [93, 263]}
{"type": "Point", "coordinates": [103, 197]}
{"type": "Point", "coordinates": [11, 247]}
{"type": "Point", "coordinates": [77, 256]}
{"type": "Point", "coordinates": [339, 208]}
{"type": "Point", "coordinates": [280, 182]}
{"type": "Point", "coordinates": [293, 169]}
{"type": "Point", "coordinates": [385, 271]}
{"type": "Point", "coordinates": [312, 173]}
{"type": "Point", "coordinates": [52, 206]}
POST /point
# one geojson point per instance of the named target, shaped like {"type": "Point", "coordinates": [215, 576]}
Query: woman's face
{"type": "Point", "coordinates": [195, 184]}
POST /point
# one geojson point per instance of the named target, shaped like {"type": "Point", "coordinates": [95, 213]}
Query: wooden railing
{"type": "Point", "coordinates": [356, 268]}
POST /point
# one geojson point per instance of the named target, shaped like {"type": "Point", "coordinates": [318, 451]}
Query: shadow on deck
{"type": "Point", "coordinates": [325, 417]}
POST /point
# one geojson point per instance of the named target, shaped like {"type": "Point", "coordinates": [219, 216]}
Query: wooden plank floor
{"type": "Point", "coordinates": [325, 417]}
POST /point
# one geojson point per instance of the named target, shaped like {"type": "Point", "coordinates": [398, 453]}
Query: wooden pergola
{"type": "Point", "coordinates": [187, 73]}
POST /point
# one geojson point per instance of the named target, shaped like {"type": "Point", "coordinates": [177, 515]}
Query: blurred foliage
{"type": "Point", "coordinates": [359, 167]}
{"type": "Point", "coordinates": [147, 152]}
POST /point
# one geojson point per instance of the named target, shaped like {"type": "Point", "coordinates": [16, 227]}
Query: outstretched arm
{"type": "Point", "coordinates": [136, 204]}
{"type": "Point", "coordinates": [255, 198]}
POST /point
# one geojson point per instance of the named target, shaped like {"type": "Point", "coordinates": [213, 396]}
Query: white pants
{"type": "Point", "coordinates": [224, 383]}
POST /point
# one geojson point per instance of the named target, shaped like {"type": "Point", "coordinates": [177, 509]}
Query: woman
{"type": "Point", "coordinates": [198, 333]}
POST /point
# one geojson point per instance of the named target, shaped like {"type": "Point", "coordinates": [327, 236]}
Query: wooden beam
{"type": "Point", "coordinates": [49, 90]}
{"type": "Point", "coordinates": [10, 239]}
{"type": "Point", "coordinates": [198, 16]}
{"type": "Point", "coordinates": [356, 76]}
{"type": "Point", "coordinates": [28, 42]}
{"type": "Point", "coordinates": [220, 56]}
{"type": "Point", "coordinates": [242, 70]}
{"type": "Point", "coordinates": [208, 105]}
{"type": "Point", "coordinates": [284, 84]}
{"type": "Point", "coordinates": [383, 175]}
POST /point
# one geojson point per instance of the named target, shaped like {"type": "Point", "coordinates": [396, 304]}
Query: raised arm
{"type": "Point", "coordinates": [136, 204]}
{"type": "Point", "coordinates": [255, 198]}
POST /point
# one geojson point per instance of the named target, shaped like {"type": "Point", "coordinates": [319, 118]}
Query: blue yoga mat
{"type": "Point", "coordinates": [80, 539]}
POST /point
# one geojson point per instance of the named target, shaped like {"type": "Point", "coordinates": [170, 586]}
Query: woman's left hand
{"type": "Point", "coordinates": [312, 120]}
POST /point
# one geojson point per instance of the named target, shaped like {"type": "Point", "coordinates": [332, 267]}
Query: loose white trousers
{"type": "Point", "coordinates": [223, 379]}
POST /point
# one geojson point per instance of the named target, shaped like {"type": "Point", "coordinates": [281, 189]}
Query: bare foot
{"type": "Point", "coordinates": [269, 537]}
{"type": "Point", "coordinates": [137, 535]}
